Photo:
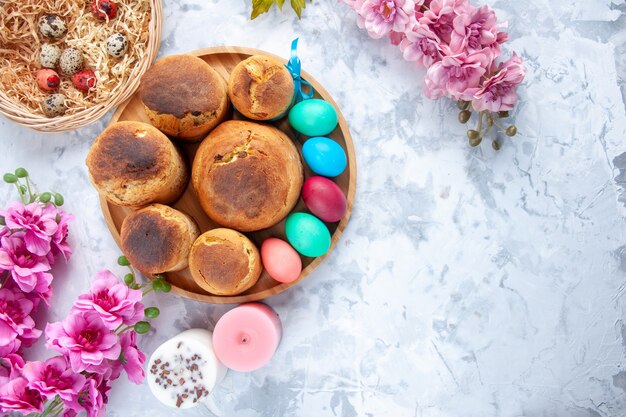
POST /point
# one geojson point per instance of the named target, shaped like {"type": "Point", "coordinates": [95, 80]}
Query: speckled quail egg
{"type": "Point", "coordinates": [54, 105]}
{"type": "Point", "coordinates": [71, 61]}
{"type": "Point", "coordinates": [49, 55]}
{"type": "Point", "coordinates": [116, 45]}
{"type": "Point", "coordinates": [52, 26]}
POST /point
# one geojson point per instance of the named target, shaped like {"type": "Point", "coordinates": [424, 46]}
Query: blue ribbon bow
{"type": "Point", "coordinates": [294, 67]}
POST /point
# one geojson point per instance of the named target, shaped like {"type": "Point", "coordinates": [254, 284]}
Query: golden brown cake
{"type": "Point", "coordinates": [158, 238]}
{"type": "Point", "coordinates": [261, 88]}
{"type": "Point", "coordinates": [224, 262]}
{"type": "Point", "coordinates": [247, 175]}
{"type": "Point", "coordinates": [133, 164]}
{"type": "Point", "coordinates": [184, 96]}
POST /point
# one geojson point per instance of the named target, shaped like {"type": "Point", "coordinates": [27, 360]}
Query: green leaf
{"type": "Point", "coordinates": [297, 6]}
{"type": "Point", "coordinates": [263, 6]}
{"type": "Point", "coordinates": [260, 6]}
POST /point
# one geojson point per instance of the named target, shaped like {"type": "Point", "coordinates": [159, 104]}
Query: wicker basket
{"type": "Point", "coordinates": [23, 116]}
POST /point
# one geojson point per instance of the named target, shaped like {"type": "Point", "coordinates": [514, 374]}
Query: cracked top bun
{"type": "Point", "coordinates": [247, 175]}
{"type": "Point", "coordinates": [133, 164]}
{"type": "Point", "coordinates": [184, 97]}
{"type": "Point", "coordinates": [261, 88]}
{"type": "Point", "coordinates": [224, 262]}
{"type": "Point", "coordinates": [158, 238]}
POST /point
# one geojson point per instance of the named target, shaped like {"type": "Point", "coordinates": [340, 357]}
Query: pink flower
{"type": "Point", "coordinates": [498, 91]}
{"type": "Point", "coordinates": [10, 367]}
{"type": "Point", "coordinates": [16, 395]}
{"type": "Point", "coordinates": [9, 349]}
{"type": "Point", "coordinates": [112, 300]}
{"type": "Point", "coordinates": [86, 340]}
{"type": "Point", "coordinates": [15, 320]}
{"type": "Point", "coordinates": [59, 243]}
{"type": "Point", "coordinates": [457, 77]}
{"type": "Point", "coordinates": [379, 17]}
{"type": "Point", "coordinates": [439, 18]}
{"type": "Point", "coordinates": [94, 396]}
{"type": "Point", "coordinates": [39, 225]}
{"type": "Point", "coordinates": [422, 46]}
{"type": "Point", "coordinates": [54, 377]}
{"type": "Point", "coordinates": [23, 264]}
{"type": "Point", "coordinates": [475, 31]}
{"type": "Point", "coordinates": [131, 360]}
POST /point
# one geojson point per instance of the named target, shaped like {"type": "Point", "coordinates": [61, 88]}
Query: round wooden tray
{"type": "Point", "coordinates": [223, 59]}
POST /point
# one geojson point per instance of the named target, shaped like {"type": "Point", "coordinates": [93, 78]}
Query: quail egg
{"type": "Point", "coordinates": [52, 26]}
{"type": "Point", "coordinates": [116, 45]}
{"type": "Point", "coordinates": [48, 79]}
{"type": "Point", "coordinates": [54, 105]}
{"type": "Point", "coordinates": [71, 61]}
{"type": "Point", "coordinates": [49, 55]}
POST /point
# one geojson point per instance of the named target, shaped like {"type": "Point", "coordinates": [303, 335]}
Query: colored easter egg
{"type": "Point", "coordinates": [324, 198]}
{"type": "Point", "coordinates": [48, 79]}
{"type": "Point", "coordinates": [313, 117]}
{"type": "Point", "coordinates": [324, 156]}
{"type": "Point", "coordinates": [307, 234]}
{"type": "Point", "coordinates": [280, 260]}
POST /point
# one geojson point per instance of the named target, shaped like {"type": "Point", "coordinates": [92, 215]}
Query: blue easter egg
{"type": "Point", "coordinates": [313, 117]}
{"type": "Point", "coordinates": [324, 156]}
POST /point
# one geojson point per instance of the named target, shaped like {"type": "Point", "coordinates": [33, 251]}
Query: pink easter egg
{"type": "Point", "coordinates": [280, 260]}
{"type": "Point", "coordinates": [324, 198]}
{"type": "Point", "coordinates": [48, 79]}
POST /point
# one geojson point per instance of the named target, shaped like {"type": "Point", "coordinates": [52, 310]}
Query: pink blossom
{"type": "Point", "coordinates": [498, 91]}
{"type": "Point", "coordinates": [457, 77]}
{"type": "Point", "coordinates": [9, 349]}
{"type": "Point", "coordinates": [86, 340]}
{"type": "Point", "coordinates": [10, 367]}
{"type": "Point", "coordinates": [379, 17]}
{"type": "Point", "coordinates": [54, 377]}
{"type": "Point", "coordinates": [112, 300]}
{"type": "Point", "coordinates": [94, 396]}
{"type": "Point", "coordinates": [15, 320]}
{"type": "Point", "coordinates": [475, 31]}
{"type": "Point", "coordinates": [16, 395]}
{"type": "Point", "coordinates": [422, 46]}
{"type": "Point", "coordinates": [39, 225]}
{"type": "Point", "coordinates": [439, 18]}
{"type": "Point", "coordinates": [23, 265]}
{"type": "Point", "coordinates": [59, 244]}
{"type": "Point", "coordinates": [131, 360]}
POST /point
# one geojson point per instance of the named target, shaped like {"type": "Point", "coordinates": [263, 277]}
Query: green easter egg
{"type": "Point", "coordinates": [313, 117]}
{"type": "Point", "coordinates": [307, 234]}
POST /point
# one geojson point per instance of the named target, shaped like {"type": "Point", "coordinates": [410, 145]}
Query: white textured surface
{"type": "Point", "coordinates": [468, 282]}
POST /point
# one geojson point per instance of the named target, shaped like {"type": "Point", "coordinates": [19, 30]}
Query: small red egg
{"type": "Point", "coordinates": [280, 260]}
{"type": "Point", "coordinates": [104, 9]}
{"type": "Point", "coordinates": [84, 80]}
{"type": "Point", "coordinates": [324, 198]}
{"type": "Point", "coordinates": [48, 79]}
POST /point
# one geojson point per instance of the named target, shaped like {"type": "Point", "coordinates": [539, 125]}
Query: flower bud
{"type": "Point", "coordinates": [9, 178]}
{"type": "Point", "coordinates": [464, 116]}
{"type": "Point", "coordinates": [123, 261]}
{"type": "Point", "coordinates": [142, 327]}
{"type": "Point", "coordinates": [511, 130]}
{"type": "Point", "coordinates": [21, 173]}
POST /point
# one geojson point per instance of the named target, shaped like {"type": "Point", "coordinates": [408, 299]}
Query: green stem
{"type": "Point", "coordinates": [19, 192]}
{"type": "Point", "coordinates": [125, 329]}
{"type": "Point", "coordinates": [148, 291]}
{"type": "Point", "coordinates": [30, 193]}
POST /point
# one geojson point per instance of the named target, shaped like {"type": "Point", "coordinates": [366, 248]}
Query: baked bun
{"type": "Point", "coordinates": [247, 176]}
{"type": "Point", "coordinates": [133, 164]}
{"type": "Point", "coordinates": [261, 88]}
{"type": "Point", "coordinates": [224, 262]}
{"type": "Point", "coordinates": [184, 96]}
{"type": "Point", "coordinates": [158, 238]}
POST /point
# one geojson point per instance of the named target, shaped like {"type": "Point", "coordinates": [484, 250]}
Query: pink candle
{"type": "Point", "coordinates": [246, 337]}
